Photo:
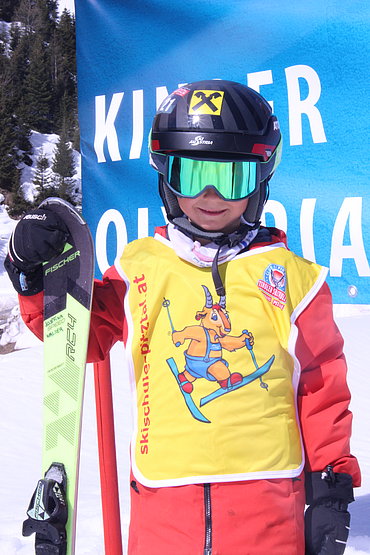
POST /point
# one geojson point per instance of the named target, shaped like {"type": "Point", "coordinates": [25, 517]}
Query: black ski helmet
{"type": "Point", "coordinates": [215, 120]}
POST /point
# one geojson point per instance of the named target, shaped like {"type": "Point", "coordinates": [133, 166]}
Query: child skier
{"type": "Point", "coordinates": [242, 403]}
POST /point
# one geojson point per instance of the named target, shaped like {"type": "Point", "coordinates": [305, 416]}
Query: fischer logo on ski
{"type": "Point", "coordinates": [62, 262]}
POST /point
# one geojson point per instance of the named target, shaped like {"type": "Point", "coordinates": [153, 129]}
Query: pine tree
{"type": "Point", "coordinates": [18, 204]}
{"type": "Point", "coordinates": [46, 14]}
{"type": "Point", "coordinates": [26, 15]}
{"type": "Point", "coordinates": [31, 62]}
{"type": "Point", "coordinates": [8, 145]}
{"type": "Point", "coordinates": [14, 80]}
{"type": "Point", "coordinates": [18, 68]}
{"type": "Point", "coordinates": [4, 46]}
{"type": "Point", "coordinates": [8, 155]}
{"type": "Point", "coordinates": [15, 146]}
{"type": "Point", "coordinates": [39, 89]}
{"type": "Point", "coordinates": [65, 35]}
{"type": "Point", "coordinates": [64, 166]}
{"type": "Point", "coordinates": [7, 9]}
{"type": "Point", "coordinates": [43, 181]}
{"type": "Point", "coordinates": [63, 162]}
{"type": "Point", "coordinates": [37, 18]}
{"type": "Point", "coordinates": [63, 54]}
{"type": "Point", "coordinates": [43, 67]}
{"type": "Point", "coordinates": [66, 114]}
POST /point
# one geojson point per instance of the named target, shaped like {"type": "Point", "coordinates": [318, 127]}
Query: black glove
{"type": "Point", "coordinates": [38, 237]}
{"type": "Point", "coordinates": [327, 520]}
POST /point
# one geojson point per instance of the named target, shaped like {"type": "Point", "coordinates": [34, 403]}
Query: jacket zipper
{"type": "Point", "coordinates": [208, 520]}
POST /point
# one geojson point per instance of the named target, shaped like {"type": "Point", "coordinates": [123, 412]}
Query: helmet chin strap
{"type": "Point", "coordinates": [195, 232]}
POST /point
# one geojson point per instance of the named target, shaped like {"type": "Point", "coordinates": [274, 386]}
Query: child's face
{"type": "Point", "coordinates": [212, 213]}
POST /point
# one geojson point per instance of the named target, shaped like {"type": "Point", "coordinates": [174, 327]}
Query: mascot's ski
{"type": "Point", "coordinates": [68, 282]}
{"type": "Point", "coordinates": [197, 414]}
{"type": "Point", "coordinates": [246, 380]}
{"type": "Point", "coordinates": [187, 397]}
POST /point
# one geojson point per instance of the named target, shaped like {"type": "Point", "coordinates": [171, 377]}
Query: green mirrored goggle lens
{"type": "Point", "coordinates": [232, 180]}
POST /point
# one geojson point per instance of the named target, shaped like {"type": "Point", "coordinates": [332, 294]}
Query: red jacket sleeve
{"type": "Point", "coordinates": [107, 317]}
{"type": "Point", "coordinates": [108, 324]}
{"type": "Point", "coordinates": [323, 394]}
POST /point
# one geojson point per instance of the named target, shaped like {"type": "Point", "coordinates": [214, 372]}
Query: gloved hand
{"type": "Point", "coordinates": [38, 237]}
{"type": "Point", "coordinates": [327, 519]}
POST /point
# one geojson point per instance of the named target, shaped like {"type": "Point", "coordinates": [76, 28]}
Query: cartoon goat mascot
{"type": "Point", "coordinates": [203, 356]}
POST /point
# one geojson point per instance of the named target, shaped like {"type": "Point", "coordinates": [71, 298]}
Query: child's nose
{"type": "Point", "coordinates": [211, 192]}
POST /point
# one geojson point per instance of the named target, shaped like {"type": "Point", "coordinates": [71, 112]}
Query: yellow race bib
{"type": "Point", "coordinates": [235, 354]}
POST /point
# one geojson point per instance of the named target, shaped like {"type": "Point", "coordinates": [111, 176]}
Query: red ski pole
{"type": "Point", "coordinates": [107, 458]}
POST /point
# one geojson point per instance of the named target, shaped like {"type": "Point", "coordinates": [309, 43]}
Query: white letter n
{"type": "Point", "coordinates": [104, 127]}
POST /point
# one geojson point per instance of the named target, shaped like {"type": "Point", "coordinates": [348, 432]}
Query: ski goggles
{"type": "Point", "coordinates": [234, 180]}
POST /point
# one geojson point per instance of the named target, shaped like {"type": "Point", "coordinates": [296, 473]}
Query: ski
{"type": "Point", "coordinates": [187, 397]}
{"type": "Point", "coordinates": [68, 280]}
{"type": "Point", "coordinates": [246, 380]}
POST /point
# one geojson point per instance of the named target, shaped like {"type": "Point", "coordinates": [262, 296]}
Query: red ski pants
{"type": "Point", "coordinates": [259, 517]}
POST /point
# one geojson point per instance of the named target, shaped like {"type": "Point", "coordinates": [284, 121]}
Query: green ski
{"type": "Point", "coordinates": [68, 281]}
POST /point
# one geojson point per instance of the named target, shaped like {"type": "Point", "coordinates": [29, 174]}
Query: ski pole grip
{"type": "Point", "coordinates": [247, 342]}
{"type": "Point", "coordinates": [177, 344]}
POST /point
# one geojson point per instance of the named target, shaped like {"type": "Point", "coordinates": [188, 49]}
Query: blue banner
{"type": "Point", "coordinates": [307, 59]}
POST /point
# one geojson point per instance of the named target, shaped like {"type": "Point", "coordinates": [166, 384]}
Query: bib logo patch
{"type": "Point", "coordinates": [206, 102]}
{"type": "Point", "coordinates": [273, 285]}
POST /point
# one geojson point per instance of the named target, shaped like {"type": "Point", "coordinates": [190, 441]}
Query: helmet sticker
{"type": "Point", "coordinates": [263, 150]}
{"type": "Point", "coordinates": [170, 101]}
{"type": "Point", "coordinates": [182, 91]}
{"type": "Point", "coordinates": [200, 140]}
{"type": "Point", "coordinates": [167, 105]}
{"type": "Point", "coordinates": [206, 102]}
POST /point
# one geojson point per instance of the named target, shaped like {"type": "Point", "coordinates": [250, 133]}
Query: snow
{"type": "Point", "coordinates": [20, 417]}
{"type": "Point", "coordinates": [66, 5]}
{"type": "Point", "coordinates": [45, 145]}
